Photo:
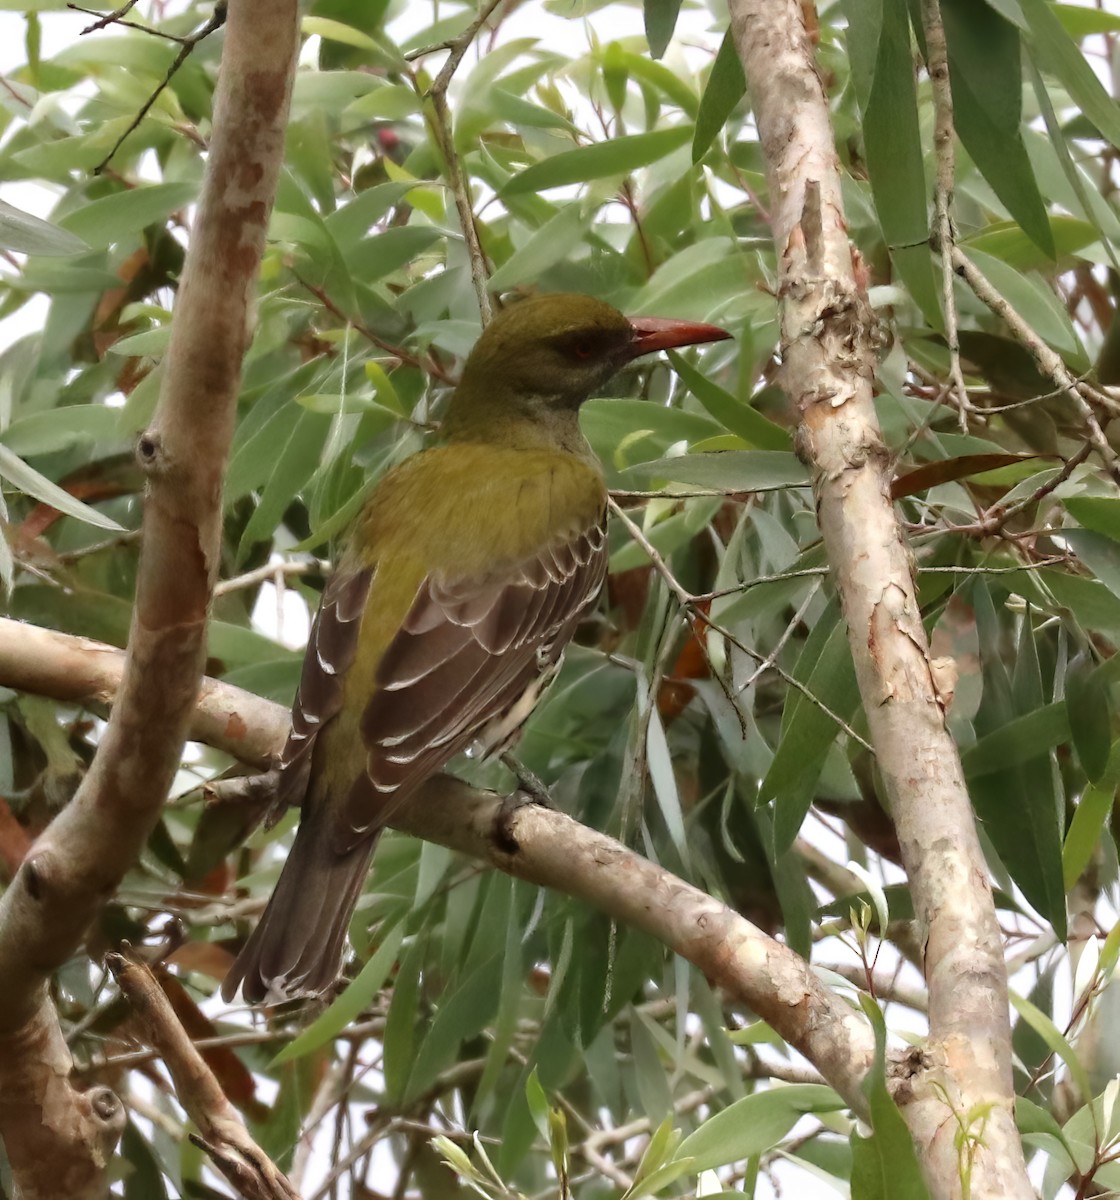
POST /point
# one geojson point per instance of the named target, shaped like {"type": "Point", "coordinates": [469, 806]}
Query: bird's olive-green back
{"type": "Point", "coordinates": [460, 511]}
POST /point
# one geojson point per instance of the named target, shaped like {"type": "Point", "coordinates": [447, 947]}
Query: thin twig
{"type": "Point", "coordinates": [747, 584]}
{"type": "Point", "coordinates": [430, 365]}
{"type": "Point", "coordinates": [243, 1037]}
{"type": "Point", "coordinates": [117, 18]}
{"type": "Point", "coordinates": [267, 574]}
{"type": "Point", "coordinates": [689, 602]}
{"type": "Point", "coordinates": [997, 516]}
{"type": "Point", "coordinates": [1050, 561]}
{"type": "Point", "coordinates": [671, 493]}
{"type": "Point", "coordinates": [104, 20]}
{"type": "Point", "coordinates": [937, 63]}
{"type": "Point", "coordinates": [187, 44]}
{"type": "Point", "coordinates": [1048, 360]}
{"type": "Point", "coordinates": [780, 644]}
{"type": "Point", "coordinates": [441, 128]}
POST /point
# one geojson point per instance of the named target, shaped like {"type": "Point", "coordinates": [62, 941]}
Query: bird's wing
{"type": "Point", "coordinates": [465, 654]}
{"type": "Point", "coordinates": [331, 648]}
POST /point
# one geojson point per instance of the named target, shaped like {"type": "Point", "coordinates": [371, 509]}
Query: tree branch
{"type": "Point", "coordinates": [440, 124]}
{"type": "Point", "coordinates": [828, 351]}
{"type": "Point", "coordinates": [221, 1132]}
{"type": "Point", "coordinates": [84, 853]}
{"type": "Point", "coordinates": [944, 144]}
{"type": "Point", "coordinates": [545, 847]}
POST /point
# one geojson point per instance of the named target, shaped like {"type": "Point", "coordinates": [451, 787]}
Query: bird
{"type": "Point", "coordinates": [460, 583]}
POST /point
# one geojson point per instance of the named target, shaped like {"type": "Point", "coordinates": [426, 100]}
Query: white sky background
{"type": "Point", "coordinates": [284, 614]}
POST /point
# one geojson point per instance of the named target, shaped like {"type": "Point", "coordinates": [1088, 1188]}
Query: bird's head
{"type": "Point", "coordinates": [550, 353]}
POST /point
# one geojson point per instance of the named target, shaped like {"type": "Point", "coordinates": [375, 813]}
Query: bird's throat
{"type": "Point", "coordinates": [522, 422]}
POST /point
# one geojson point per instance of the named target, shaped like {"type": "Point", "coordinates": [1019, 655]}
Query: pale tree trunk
{"type": "Point", "coordinates": [959, 1103]}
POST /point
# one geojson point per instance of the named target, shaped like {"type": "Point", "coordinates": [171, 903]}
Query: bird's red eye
{"type": "Point", "coordinates": [581, 350]}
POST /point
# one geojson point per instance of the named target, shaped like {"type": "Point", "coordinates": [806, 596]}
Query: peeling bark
{"type": "Point", "coordinates": [829, 345]}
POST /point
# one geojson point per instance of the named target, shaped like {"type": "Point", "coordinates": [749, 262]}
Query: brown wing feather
{"type": "Point", "coordinates": [331, 648]}
{"type": "Point", "coordinates": [465, 654]}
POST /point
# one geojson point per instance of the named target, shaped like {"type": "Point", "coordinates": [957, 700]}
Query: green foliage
{"type": "Point", "coordinates": [726, 742]}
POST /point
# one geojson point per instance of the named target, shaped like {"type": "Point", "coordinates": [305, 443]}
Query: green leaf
{"type": "Point", "coordinates": [661, 20]}
{"type": "Point", "coordinates": [55, 429]}
{"type": "Point", "coordinates": [1017, 801]}
{"type": "Point", "coordinates": [461, 1015]}
{"type": "Point", "coordinates": [554, 241]}
{"type": "Point", "coordinates": [623, 432]}
{"type": "Point", "coordinates": [754, 1124]}
{"type": "Point", "coordinates": [28, 480]}
{"type": "Point", "coordinates": [807, 730]}
{"type": "Point", "coordinates": [1099, 513]}
{"type": "Point", "coordinates": [1055, 51]}
{"type": "Point", "coordinates": [730, 470]}
{"type": "Point", "coordinates": [883, 72]}
{"type": "Point", "coordinates": [1007, 241]}
{"type": "Point", "coordinates": [1054, 1039]}
{"type": "Point", "coordinates": [885, 1165]}
{"type": "Point", "coordinates": [1078, 193]}
{"type": "Point", "coordinates": [1094, 807]}
{"type": "Point", "coordinates": [256, 451]}
{"type": "Point", "coordinates": [1094, 606]}
{"type": "Point", "coordinates": [400, 1025]}
{"type": "Point", "coordinates": [667, 81]}
{"type": "Point", "coordinates": [1037, 304]}
{"type": "Point", "coordinates": [149, 343]}
{"type": "Point", "coordinates": [660, 1148]}
{"type": "Point", "coordinates": [290, 472]}
{"type": "Point", "coordinates": [350, 224]}
{"type": "Point", "coordinates": [124, 214]}
{"type": "Point", "coordinates": [650, 1072]}
{"type": "Point", "coordinates": [619, 156]}
{"type": "Point", "coordinates": [1090, 717]}
{"type": "Point", "coordinates": [1029, 734]}
{"type": "Point", "coordinates": [538, 1102]}
{"type": "Point", "coordinates": [1099, 553]}
{"type": "Point", "coordinates": [1033, 1118]}
{"type": "Point", "coordinates": [382, 54]}
{"type": "Point", "coordinates": [144, 1179]}
{"type": "Point", "coordinates": [659, 762]}
{"type": "Point", "coordinates": [1081, 22]}
{"type": "Point", "coordinates": [726, 86]}
{"type": "Point", "coordinates": [357, 996]}
{"type": "Point", "coordinates": [668, 535]}
{"type": "Point", "coordinates": [985, 71]}
{"type": "Point", "coordinates": [375, 257]}
{"type": "Point", "coordinates": [736, 416]}
{"type": "Point", "coordinates": [31, 235]}
{"type": "Point", "coordinates": [505, 1024]}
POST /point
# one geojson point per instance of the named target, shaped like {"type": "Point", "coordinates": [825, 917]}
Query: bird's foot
{"type": "Point", "coordinates": [530, 790]}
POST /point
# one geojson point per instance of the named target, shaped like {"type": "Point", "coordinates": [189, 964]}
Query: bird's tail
{"type": "Point", "coordinates": [297, 945]}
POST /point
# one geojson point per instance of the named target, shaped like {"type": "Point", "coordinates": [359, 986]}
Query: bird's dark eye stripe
{"type": "Point", "coordinates": [588, 343]}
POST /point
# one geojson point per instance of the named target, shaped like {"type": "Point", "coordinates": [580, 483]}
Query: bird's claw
{"type": "Point", "coordinates": [530, 790]}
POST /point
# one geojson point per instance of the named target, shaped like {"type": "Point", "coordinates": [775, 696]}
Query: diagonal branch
{"type": "Point", "coordinates": [440, 123]}
{"type": "Point", "coordinates": [82, 856]}
{"type": "Point", "coordinates": [533, 843]}
{"type": "Point", "coordinates": [222, 1133]}
{"type": "Point", "coordinates": [937, 56]}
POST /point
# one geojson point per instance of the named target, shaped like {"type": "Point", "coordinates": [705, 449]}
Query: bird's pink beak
{"type": "Point", "coordinates": [657, 333]}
